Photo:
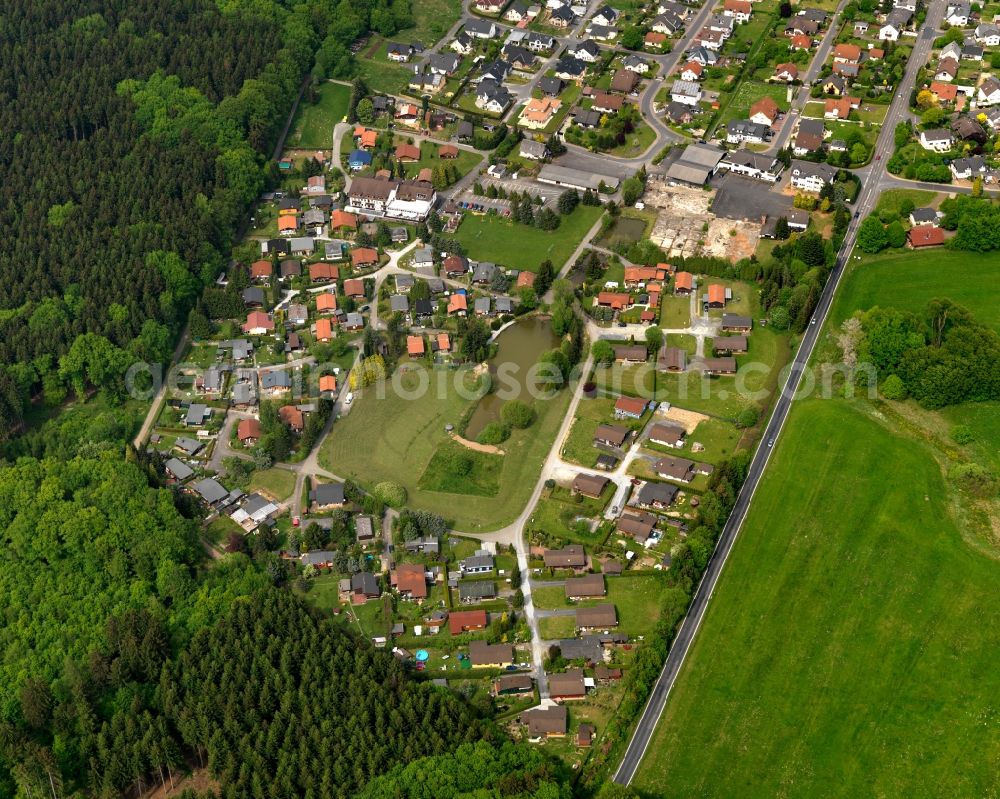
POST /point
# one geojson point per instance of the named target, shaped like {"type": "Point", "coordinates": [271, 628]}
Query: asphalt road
{"type": "Point", "coordinates": [689, 627]}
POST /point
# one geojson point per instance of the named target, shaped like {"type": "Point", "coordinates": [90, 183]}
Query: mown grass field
{"type": "Point", "coordinates": [637, 599]}
{"type": "Point", "coordinates": [314, 123]}
{"type": "Point", "coordinates": [849, 649]}
{"type": "Point", "coordinates": [748, 93]}
{"type": "Point", "coordinates": [491, 238]}
{"type": "Point", "coordinates": [276, 483]}
{"type": "Point", "coordinates": [394, 438]}
{"type": "Point", "coordinates": [907, 280]}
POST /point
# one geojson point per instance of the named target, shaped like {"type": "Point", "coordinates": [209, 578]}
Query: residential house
{"type": "Point", "coordinates": [686, 92]}
{"type": "Point", "coordinates": [739, 10]}
{"type": "Point", "coordinates": [925, 236]}
{"type": "Point", "coordinates": [624, 81]}
{"type": "Point", "coordinates": [479, 563]}
{"type": "Point", "coordinates": [968, 168]}
{"type": "Point", "coordinates": [637, 524]}
{"type": "Point", "coordinates": [545, 722]}
{"type": "Point", "coordinates": [753, 165]}
{"type": "Point", "coordinates": [327, 496]}
{"type": "Point", "coordinates": [253, 296]}
{"type": "Point", "coordinates": [492, 96]}
{"type": "Point", "coordinates": [924, 216]}
{"type": "Point", "coordinates": [692, 71]}
{"type": "Point", "coordinates": [258, 323]}
{"type": "Point", "coordinates": [654, 40]}
{"type": "Point", "coordinates": [292, 417]}
{"type": "Point", "coordinates": [671, 359]}
{"type": "Point", "coordinates": [667, 435]}
{"type": "Point", "coordinates": [729, 345]}
{"type": "Point", "coordinates": [481, 28]}
{"type": "Point", "coordinates": [786, 73]}
{"type": "Point", "coordinates": [968, 129]}
{"type": "Point", "coordinates": [807, 176]}
{"type": "Point", "coordinates": [734, 323]}
{"type": "Point", "coordinates": [533, 150]}
{"type": "Point", "coordinates": [988, 34]}
{"type": "Point", "coordinates": [673, 468]}
{"type": "Point", "coordinates": [462, 44]}
{"type": "Point", "coordinates": [946, 70]}
{"type": "Point", "coordinates": [491, 655]}
{"type": "Point", "coordinates": [399, 53]}
{"type": "Point", "coordinates": [659, 496]}
{"type": "Point", "coordinates": [261, 270]}
{"type": "Point", "coordinates": [988, 92]}
{"type": "Point", "coordinates": [937, 139]}
{"type": "Point", "coordinates": [364, 586]}
{"type": "Point", "coordinates": [719, 366]}
{"type": "Point", "coordinates": [740, 131]}
{"type": "Point", "coordinates": [635, 63]}
{"type": "Point", "coordinates": [589, 485]}
{"type": "Point", "coordinates": [410, 581]}
{"type": "Point", "coordinates": [567, 686]}
{"type": "Point", "coordinates": [570, 556]}
{"type": "Point", "coordinates": [470, 592]}
{"type": "Point", "coordinates": [461, 621]}
{"type": "Point", "coordinates": [895, 23]}
{"type": "Point", "coordinates": [765, 111]}
{"type": "Point", "coordinates": [570, 68]}
{"type": "Point", "coordinates": [629, 408]}
{"type": "Point", "coordinates": [606, 103]}
{"type": "Point", "coordinates": [596, 618]}
{"type": "Point", "coordinates": [612, 435]}
{"type": "Point", "coordinates": [683, 283]}
{"type": "Point", "coordinates": [617, 301]}
{"type": "Point", "coordinates": [539, 112]}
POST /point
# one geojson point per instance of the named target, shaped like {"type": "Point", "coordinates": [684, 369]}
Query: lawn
{"type": "Point", "coordinates": [849, 649]}
{"type": "Point", "coordinates": [907, 280]}
{"type": "Point", "coordinates": [637, 142]}
{"type": "Point", "coordinates": [718, 438]}
{"type": "Point", "coordinates": [490, 238]}
{"type": "Point", "coordinates": [566, 517]}
{"type": "Point", "coordinates": [465, 163]}
{"type": "Point", "coordinates": [637, 598]}
{"type": "Point", "coordinates": [579, 445]}
{"type": "Point", "coordinates": [456, 469]}
{"type": "Point", "coordinates": [382, 75]}
{"type": "Point", "coordinates": [394, 437]}
{"type": "Point", "coordinates": [675, 312]}
{"type": "Point", "coordinates": [687, 343]}
{"type": "Point", "coordinates": [748, 93]}
{"type": "Point", "coordinates": [431, 20]}
{"type": "Point", "coordinates": [552, 627]}
{"type": "Point", "coordinates": [276, 483]}
{"type": "Point", "coordinates": [313, 126]}
{"type": "Point", "coordinates": [891, 199]}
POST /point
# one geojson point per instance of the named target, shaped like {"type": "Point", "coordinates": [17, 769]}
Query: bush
{"type": "Point", "coordinates": [973, 478]}
{"type": "Point", "coordinates": [494, 433]}
{"type": "Point", "coordinates": [748, 417]}
{"type": "Point", "coordinates": [893, 388]}
{"type": "Point", "coordinates": [962, 434]}
{"type": "Point", "coordinates": [392, 494]}
{"type": "Point", "coordinates": [517, 414]}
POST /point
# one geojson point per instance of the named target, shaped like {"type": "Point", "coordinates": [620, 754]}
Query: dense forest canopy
{"type": "Point", "coordinates": [134, 138]}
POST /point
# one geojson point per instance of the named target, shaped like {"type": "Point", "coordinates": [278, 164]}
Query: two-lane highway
{"type": "Point", "coordinates": [863, 206]}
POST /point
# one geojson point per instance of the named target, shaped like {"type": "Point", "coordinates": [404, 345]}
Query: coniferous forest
{"type": "Point", "coordinates": [135, 134]}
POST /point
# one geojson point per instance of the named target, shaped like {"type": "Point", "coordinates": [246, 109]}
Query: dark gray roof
{"type": "Point", "coordinates": [328, 494]}
{"type": "Point", "coordinates": [178, 469]}
{"type": "Point", "coordinates": [210, 490]}
{"type": "Point", "coordinates": [480, 589]}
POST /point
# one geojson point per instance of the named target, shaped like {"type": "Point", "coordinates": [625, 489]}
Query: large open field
{"type": "Point", "coordinates": [314, 123]}
{"type": "Point", "coordinates": [850, 647]}
{"type": "Point", "coordinates": [395, 438]}
{"type": "Point", "coordinates": [490, 238]}
{"type": "Point", "coordinates": [907, 280]}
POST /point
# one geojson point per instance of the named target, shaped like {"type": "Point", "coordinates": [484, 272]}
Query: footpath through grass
{"type": "Point", "coordinates": [492, 238]}
{"type": "Point", "coordinates": [850, 647]}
